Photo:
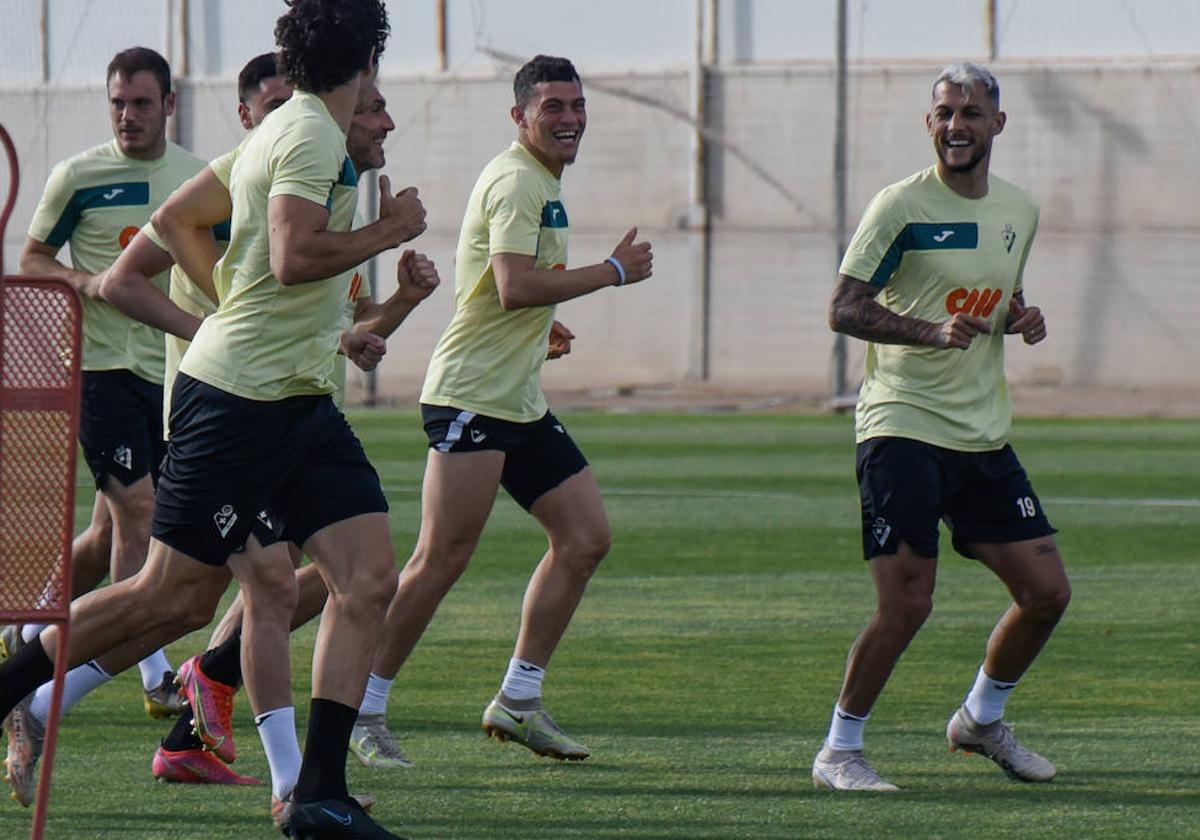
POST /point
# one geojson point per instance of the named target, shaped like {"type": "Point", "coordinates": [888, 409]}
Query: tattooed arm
{"type": "Point", "coordinates": [855, 312]}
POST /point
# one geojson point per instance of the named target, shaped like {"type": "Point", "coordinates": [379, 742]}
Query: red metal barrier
{"type": "Point", "coordinates": [40, 333]}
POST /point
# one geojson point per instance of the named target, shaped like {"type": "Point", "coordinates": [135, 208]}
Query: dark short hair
{"type": "Point", "coordinates": [258, 68]}
{"type": "Point", "coordinates": [323, 43]}
{"type": "Point", "coordinates": [541, 68]}
{"type": "Point", "coordinates": [136, 59]}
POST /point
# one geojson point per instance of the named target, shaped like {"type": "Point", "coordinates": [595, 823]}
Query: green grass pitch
{"type": "Point", "coordinates": [705, 660]}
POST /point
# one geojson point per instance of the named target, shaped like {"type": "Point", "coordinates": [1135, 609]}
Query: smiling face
{"type": "Point", "coordinates": [962, 121]}
{"type": "Point", "coordinates": [368, 130]}
{"type": "Point", "coordinates": [138, 111]}
{"type": "Point", "coordinates": [552, 123]}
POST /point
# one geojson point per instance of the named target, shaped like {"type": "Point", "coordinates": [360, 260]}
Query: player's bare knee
{"type": "Point", "coordinates": [436, 570]}
{"type": "Point", "coordinates": [366, 588]}
{"type": "Point", "coordinates": [583, 550]}
{"type": "Point", "coordinates": [595, 546]}
{"type": "Point", "coordinates": [101, 530]}
{"type": "Point", "coordinates": [374, 594]}
{"type": "Point", "coordinates": [905, 615]}
{"type": "Point", "coordinates": [1047, 605]}
{"type": "Point", "coordinates": [277, 597]}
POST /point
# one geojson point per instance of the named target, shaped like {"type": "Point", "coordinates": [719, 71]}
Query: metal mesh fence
{"type": "Point", "coordinates": [39, 410]}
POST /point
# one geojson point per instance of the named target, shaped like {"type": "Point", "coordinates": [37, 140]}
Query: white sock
{"type": "Point", "coordinates": [28, 631]}
{"type": "Point", "coordinates": [78, 684]}
{"type": "Point", "coordinates": [376, 696]}
{"type": "Point", "coordinates": [523, 680]}
{"type": "Point", "coordinates": [277, 731]}
{"type": "Point", "coordinates": [846, 730]}
{"type": "Point", "coordinates": [153, 667]}
{"type": "Point", "coordinates": [986, 701]}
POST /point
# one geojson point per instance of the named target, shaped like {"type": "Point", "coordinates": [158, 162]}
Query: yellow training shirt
{"type": "Point", "coordinates": [933, 253]}
{"type": "Point", "coordinates": [268, 341]}
{"type": "Point", "coordinates": [489, 360]}
{"type": "Point", "coordinates": [97, 201]}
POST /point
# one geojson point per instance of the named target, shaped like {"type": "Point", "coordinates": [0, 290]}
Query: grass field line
{"type": "Point", "coordinates": [1105, 501]}
{"type": "Point", "coordinates": [752, 494]}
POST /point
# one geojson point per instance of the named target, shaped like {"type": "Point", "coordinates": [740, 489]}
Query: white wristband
{"type": "Point", "coordinates": [616, 263]}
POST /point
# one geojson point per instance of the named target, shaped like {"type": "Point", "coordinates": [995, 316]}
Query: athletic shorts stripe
{"type": "Point", "coordinates": [454, 433]}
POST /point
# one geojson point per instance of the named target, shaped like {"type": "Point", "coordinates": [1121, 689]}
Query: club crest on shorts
{"type": "Point", "coordinates": [881, 531]}
{"type": "Point", "coordinates": [123, 455]}
{"type": "Point", "coordinates": [265, 519]}
{"type": "Point", "coordinates": [224, 519]}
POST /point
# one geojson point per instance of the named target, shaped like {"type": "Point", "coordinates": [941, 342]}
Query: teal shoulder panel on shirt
{"type": "Point", "coordinates": [924, 236]}
{"type": "Point", "coordinates": [348, 177]}
{"type": "Point", "coordinates": [126, 194]}
{"type": "Point", "coordinates": [554, 215]}
{"type": "Point", "coordinates": [942, 236]}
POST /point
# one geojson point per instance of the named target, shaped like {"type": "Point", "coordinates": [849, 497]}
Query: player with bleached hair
{"type": "Point", "coordinates": [933, 280]}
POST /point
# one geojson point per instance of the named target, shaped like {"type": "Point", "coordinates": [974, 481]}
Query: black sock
{"type": "Point", "coordinates": [223, 663]}
{"type": "Point", "coordinates": [182, 735]}
{"type": "Point", "coordinates": [323, 770]}
{"type": "Point", "coordinates": [23, 672]}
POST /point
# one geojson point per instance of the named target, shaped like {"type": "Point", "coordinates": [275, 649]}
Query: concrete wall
{"type": "Point", "coordinates": [1108, 150]}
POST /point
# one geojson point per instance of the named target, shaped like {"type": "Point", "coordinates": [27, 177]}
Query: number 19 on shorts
{"type": "Point", "coordinates": [1026, 506]}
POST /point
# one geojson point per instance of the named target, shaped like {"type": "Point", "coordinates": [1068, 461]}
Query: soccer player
{"type": "Point", "coordinates": [127, 285]}
{"type": "Point", "coordinates": [260, 90]}
{"type": "Point", "coordinates": [95, 202]}
{"type": "Point", "coordinates": [211, 679]}
{"type": "Point", "coordinates": [253, 425]}
{"type": "Point", "coordinates": [933, 281]}
{"type": "Point", "coordinates": [487, 419]}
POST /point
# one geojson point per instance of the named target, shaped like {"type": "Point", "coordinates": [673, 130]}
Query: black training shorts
{"type": "Point", "coordinates": [230, 458]}
{"type": "Point", "coordinates": [120, 426]}
{"type": "Point", "coordinates": [538, 456]}
{"type": "Point", "coordinates": [905, 486]}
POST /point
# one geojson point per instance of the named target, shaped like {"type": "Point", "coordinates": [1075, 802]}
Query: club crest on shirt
{"type": "Point", "coordinates": [1010, 237]}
